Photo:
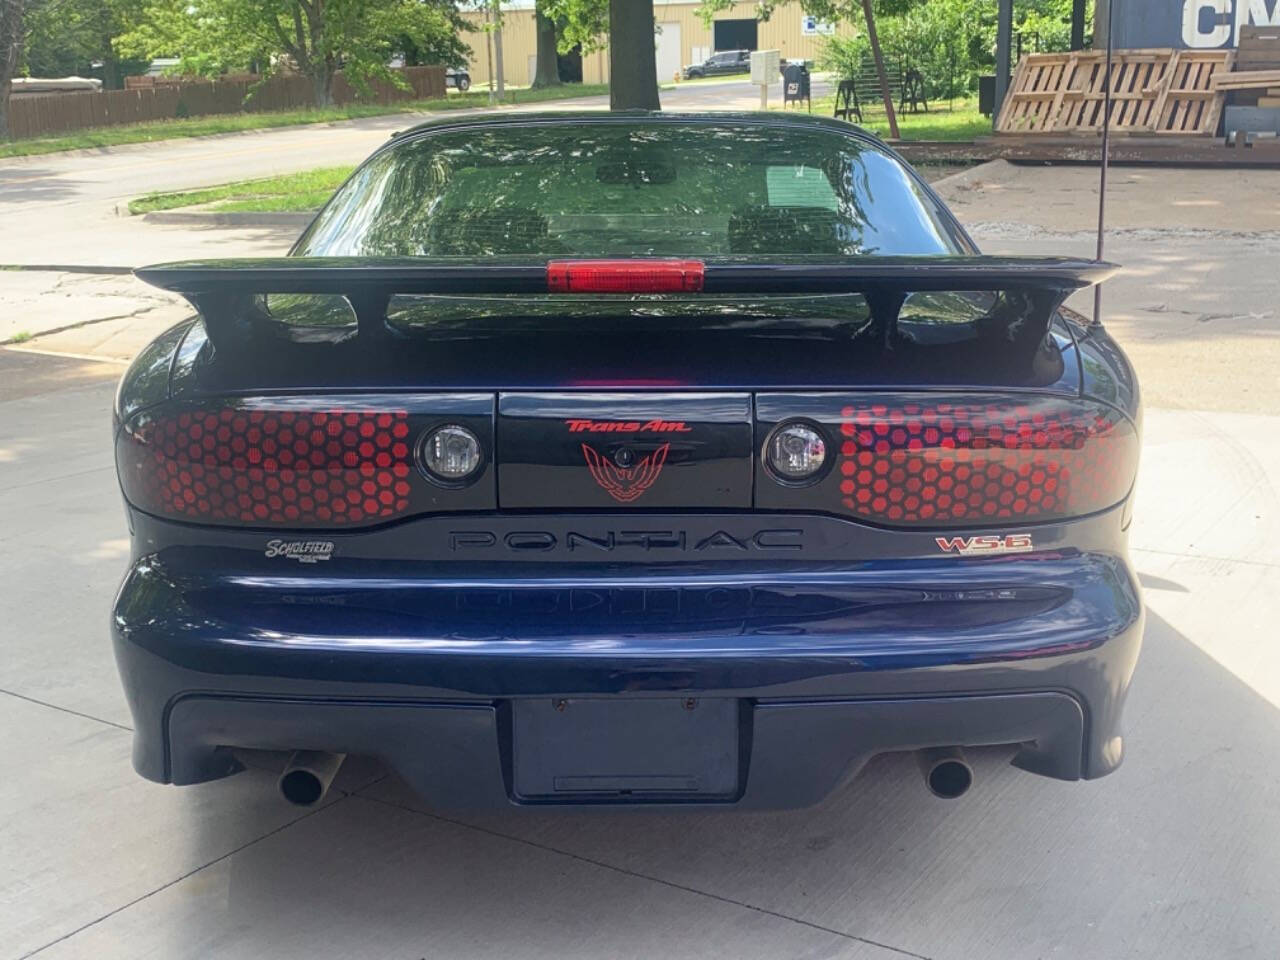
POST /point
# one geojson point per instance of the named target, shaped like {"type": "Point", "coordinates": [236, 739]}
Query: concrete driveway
{"type": "Point", "coordinates": [1175, 856]}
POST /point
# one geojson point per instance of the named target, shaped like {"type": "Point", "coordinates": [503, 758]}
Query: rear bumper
{"type": "Point", "coordinates": [828, 667]}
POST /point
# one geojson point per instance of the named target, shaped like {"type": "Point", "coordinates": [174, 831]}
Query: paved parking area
{"type": "Point", "coordinates": [1175, 856]}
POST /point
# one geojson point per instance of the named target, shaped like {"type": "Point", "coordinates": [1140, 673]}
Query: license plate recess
{"type": "Point", "coordinates": [617, 751]}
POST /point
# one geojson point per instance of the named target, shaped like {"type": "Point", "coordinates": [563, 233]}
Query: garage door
{"type": "Point", "coordinates": [667, 44]}
{"type": "Point", "coordinates": [736, 34]}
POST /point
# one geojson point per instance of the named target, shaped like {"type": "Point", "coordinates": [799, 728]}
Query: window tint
{"type": "Point", "coordinates": [596, 188]}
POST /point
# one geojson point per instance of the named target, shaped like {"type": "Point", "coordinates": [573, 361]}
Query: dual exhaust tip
{"type": "Point", "coordinates": [307, 776]}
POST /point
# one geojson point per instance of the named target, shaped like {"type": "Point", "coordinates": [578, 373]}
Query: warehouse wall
{"type": "Point", "coordinates": [1197, 24]}
{"type": "Point", "coordinates": [783, 32]}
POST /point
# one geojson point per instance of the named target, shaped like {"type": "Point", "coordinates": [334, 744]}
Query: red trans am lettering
{"type": "Point", "coordinates": [625, 484]}
{"type": "Point", "coordinates": [1013, 543]}
{"type": "Point", "coordinates": [628, 426]}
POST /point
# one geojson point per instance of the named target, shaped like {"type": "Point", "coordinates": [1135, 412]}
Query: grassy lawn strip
{"type": "Point", "coordinates": [235, 122]}
{"type": "Point", "coordinates": [289, 193]}
{"type": "Point", "coordinates": [961, 122]}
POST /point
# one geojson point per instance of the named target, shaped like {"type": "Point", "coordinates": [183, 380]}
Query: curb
{"type": "Point", "coordinates": [67, 268]}
{"type": "Point", "coordinates": [230, 219]}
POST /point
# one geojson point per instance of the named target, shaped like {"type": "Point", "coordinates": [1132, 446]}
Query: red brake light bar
{"type": "Point", "coordinates": [625, 276]}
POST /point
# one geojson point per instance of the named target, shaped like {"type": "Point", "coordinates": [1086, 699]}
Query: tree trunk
{"type": "Point", "coordinates": [322, 84]}
{"type": "Point", "coordinates": [633, 67]}
{"type": "Point", "coordinates": [497, 50]}
{"type": "Point", "coordinates": [547, 73]}
{"type": "Point", "coordinates": [5, 85]}
{"type": "Point", "coordinates": [10, 48]}
{"type": "Point", "coordinates": [879, 61]}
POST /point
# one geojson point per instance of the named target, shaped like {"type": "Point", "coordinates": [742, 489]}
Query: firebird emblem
{"type": "Point", "coordinates": [625, 484]}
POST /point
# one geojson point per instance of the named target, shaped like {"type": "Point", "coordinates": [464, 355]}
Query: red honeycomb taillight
{"type": "Point", "coordinates": [949, 463]}
{"type": "Point", "coordinates": [269, 467]}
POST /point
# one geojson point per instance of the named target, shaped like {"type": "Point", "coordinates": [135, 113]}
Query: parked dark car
{"type": "Point", "coordinates": [723, 63]}
{"type": "Point", "coordinates": [628, 459]}
{"type": "Point", "coordinates": [457, 77]}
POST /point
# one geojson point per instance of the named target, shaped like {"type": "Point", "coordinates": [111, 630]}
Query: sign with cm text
{"type": "Point", "coordinates": [1189, 24]}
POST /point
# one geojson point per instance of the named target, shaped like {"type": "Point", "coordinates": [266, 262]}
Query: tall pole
{"type": "Point", "coordinates": [1102, 180]}
{"type": "Point", "coordinates": [884, 78]}
{"type": "Point", "coordinates": [1004, 39]}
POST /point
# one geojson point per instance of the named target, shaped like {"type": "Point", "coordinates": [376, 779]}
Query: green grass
{"type": "Point", "coordinates": [22, 336]}
{"type": "Point", "coordinates": [289, 193]}
{"type": "Point", "coordinates": [236, 122]}
{"type": "Point", "coordinates": [961, 122]}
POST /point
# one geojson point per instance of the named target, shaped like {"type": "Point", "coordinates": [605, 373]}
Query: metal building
{"type": "Point", "coordinates": [680, 38]}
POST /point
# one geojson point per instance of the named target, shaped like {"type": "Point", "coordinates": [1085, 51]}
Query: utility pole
{"type": "Point", "coordinates": [1004, 39]}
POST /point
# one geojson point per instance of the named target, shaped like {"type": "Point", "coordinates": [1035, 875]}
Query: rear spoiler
{"type": "Point", "coordinates": [1033, 287]}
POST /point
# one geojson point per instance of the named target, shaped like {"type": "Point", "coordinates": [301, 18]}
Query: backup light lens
{"type": "Point", "coordinates": [625, 276]}
{"type": "Point", "coordinates": [451, 453]}
{"type": "Point", "coordinates": [796, 452]}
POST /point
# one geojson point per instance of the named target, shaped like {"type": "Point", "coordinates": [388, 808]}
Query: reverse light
{"type": "Point", "coordinates": [451, 454]}
{"type": "Point", "coordinates": [625, 276]}
{"type": "Point", "coordinates": [795, 453]}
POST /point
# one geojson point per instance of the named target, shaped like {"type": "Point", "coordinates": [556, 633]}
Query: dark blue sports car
{"type": "Point", "coordinates": [628, 459]}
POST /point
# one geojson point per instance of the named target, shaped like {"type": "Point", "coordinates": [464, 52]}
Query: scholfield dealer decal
{"type": "Point", "coordinates": [304, 551]}
{"type": "Point", "coordinates": [985, 546]}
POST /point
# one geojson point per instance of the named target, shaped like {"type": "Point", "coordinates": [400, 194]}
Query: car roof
{"type": "Point", "coordinates": [769, 118]}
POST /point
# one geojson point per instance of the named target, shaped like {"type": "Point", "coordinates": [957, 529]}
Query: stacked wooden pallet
{"type": "Point", "coordinates": [1158, 91]}
{"type": "Point", "coordinates": [1256, 79]}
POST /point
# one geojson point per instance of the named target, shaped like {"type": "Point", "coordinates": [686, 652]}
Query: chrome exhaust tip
{"type": "Point", "coordinates": [946, 772]}
{"type": "Point", "coordinates": [307, 776]}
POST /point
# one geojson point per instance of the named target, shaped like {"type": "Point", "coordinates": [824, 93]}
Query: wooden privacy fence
{"type": "Point", "coordinates": [1152, 91]}
{"type": "Point", "coordinates": [45, 114]}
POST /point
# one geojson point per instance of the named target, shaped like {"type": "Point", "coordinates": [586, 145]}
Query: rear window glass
{"type": "Point", "coordinates": [595, 188]}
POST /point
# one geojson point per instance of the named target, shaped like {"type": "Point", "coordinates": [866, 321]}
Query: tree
{"type": "Point", "coordinates": [74, 36]}
{"type": "Point", "coordinates": [633, 68]}
{"type": "Point", "coordinates": [315, 37]}
{"type": "Point", "coordinates": [547, 71]}
{"type": "Point", "coordinates": [11, 36]}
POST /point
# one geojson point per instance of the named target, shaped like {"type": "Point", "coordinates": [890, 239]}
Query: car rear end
{"type": "Point", "coordinates": [781, 476]}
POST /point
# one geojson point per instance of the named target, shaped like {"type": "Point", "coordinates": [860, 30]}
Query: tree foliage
{"type": "Point", "coordinates": [951, 42]}
{"type": "Point", "coordinates": [82, 37]}
{"type": "Point", "coordinates": [12, 30]}
{"type": "Point", "coordinates": [582, 23]}
{"type": "Point", "coordinates": [315, 37]}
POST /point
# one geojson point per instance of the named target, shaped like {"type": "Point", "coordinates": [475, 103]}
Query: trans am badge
{"type": "Point", "coordinates": [304, 551]}
{"type": "Point", "coordinates": [625, 484]}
